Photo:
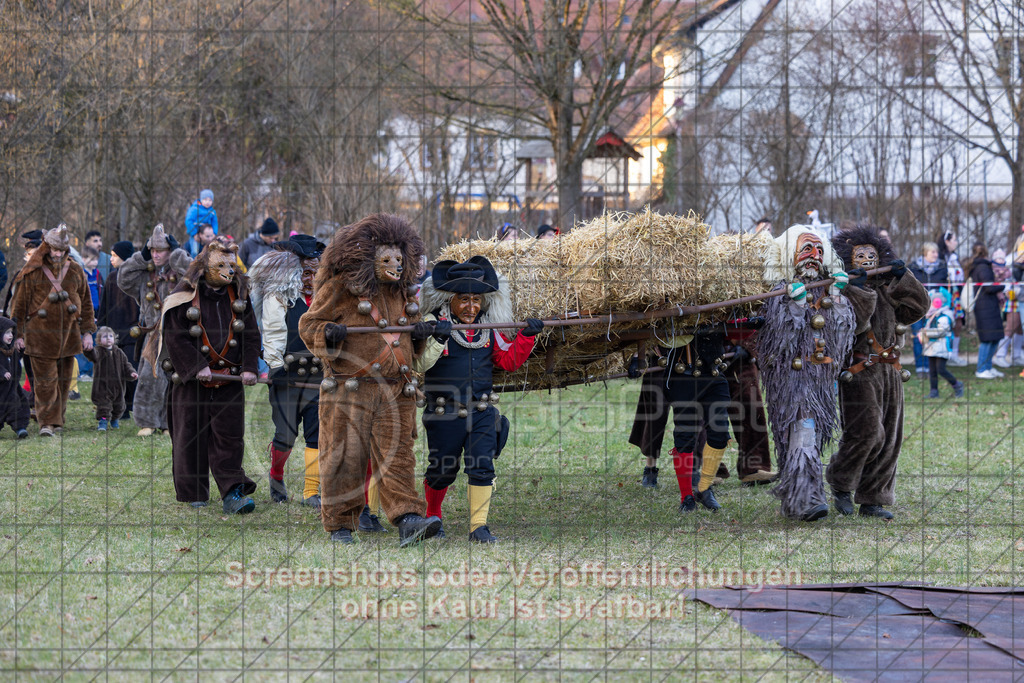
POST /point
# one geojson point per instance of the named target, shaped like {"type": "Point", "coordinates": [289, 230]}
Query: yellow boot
{"type": "Point", "coordinates": [479, 506]}
{"type": "Point", "coordinates": [704, 494]}
{"type": "Point", "coordinates": [311, 483]}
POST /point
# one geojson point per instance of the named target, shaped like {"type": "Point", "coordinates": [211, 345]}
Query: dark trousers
{"type": "Point", "coordinates": [936, 367]}
{"type": "Point", "coordinates": [207, 435]}
{"type": "Point", "coordinates": [51, 382]}
{"type": "Point", "coordinates": [290, 405]}
{"type": "Point", "coordinates": [749, 424]}
{"type": "Point", "coordinates": [451, 438]}
{"type": "Point", "coordinates": [696, 402]}
{"type": "Point", "coordinates": [129, 387]}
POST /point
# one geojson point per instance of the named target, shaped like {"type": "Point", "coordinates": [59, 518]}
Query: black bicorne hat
{"type": "Point", "coordinates": [475, 276]}
{"type": "Point", "coordinates": [302, 246]}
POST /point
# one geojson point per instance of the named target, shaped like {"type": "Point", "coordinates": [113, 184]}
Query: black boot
{"type": "Point", "coordinates": [342, 536]}
{"type": "Point", "coordinates": [843, 502]}
{"type": "Point", "coordinates": [875, 511]}
{"type": "Point", "coordinates": [650, 479]}
{"type": "Point", "coordinates": [482, 535]}
{"type": "Point", "coordinates": [412, 528]}
{"type": "Point", "coordinates": [278, 493]}
{"type": "Point", "coordinates": [815, 513]}
{"type": "Point", "coordinates": [689, 504]}
{"type": "Point", "coordinates": [370, 523]}
{"type": "Point", "coordinates": [707, 499]}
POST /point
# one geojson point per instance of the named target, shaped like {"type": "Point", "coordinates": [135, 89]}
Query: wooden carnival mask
{"type": "Point", "coordinates": [309, 268]}
{"type": "Point", "coordinates": [220, 268]}
{"type": "Point", "coordinates": [864, 256]}
{"type": "Point", "coordinates": [387, 266]}
{"type": "Point", "coordinates": [809, 257]}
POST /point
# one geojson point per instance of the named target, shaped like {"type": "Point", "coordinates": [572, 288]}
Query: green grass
{"type": "Point", "coordinates": [103, 575]}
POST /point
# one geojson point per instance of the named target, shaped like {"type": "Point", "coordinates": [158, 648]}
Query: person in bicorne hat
{"type": "Point", "coordinates": [281, 289]}
{"type": "Point", "coordinates": [461, 419]}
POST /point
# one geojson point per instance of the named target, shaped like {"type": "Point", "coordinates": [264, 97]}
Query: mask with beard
{"type": "Point", "coordinates": [309, 268]}
{"type": "Point", "coordinates": [808, 259]}
{"type": "Point", "coordinates": [387, 266]}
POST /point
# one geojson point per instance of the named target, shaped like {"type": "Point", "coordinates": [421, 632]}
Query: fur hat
{"type": "Point", "coordinates": [778, 254]}
{"type": "Point", "coordinates": [845, 240]}
{"type": "Point", "coordinates": [57, 238]}
{"type": "Point", "coordinates": [159, 238]}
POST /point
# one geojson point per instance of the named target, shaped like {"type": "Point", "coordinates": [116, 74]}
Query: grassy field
{"type": "Point", "coordinates": [103, 575]}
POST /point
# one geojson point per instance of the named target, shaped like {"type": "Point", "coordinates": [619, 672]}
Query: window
{"type": "Point", "coordinates": [481, 152]}
{"type": "Point", "coordinates": [918, 54]}
{"type": "Point", "coordinates": [1005, 61]}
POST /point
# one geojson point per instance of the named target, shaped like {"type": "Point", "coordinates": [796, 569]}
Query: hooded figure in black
{"type": "Point", "coordinates": [14, 409]}
{"type": "Point", "coordinates": [871, 388]}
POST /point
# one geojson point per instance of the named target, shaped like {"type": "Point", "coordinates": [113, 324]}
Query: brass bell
{"type": "Point", "coordinates": [53, 297]}
{"type": "Point", "coordinates": [149, 284]}
{"type": "Point", "coordinates": [818, 321]}
{"type": "Point", "coordinates": [351, 384]}
{"type": "Point", "coordinates": [699, 363]}
{"type": "Point", "coordinates": [192, 313]}
{"type": "Point", "coordinates": [663, 362]}
{"type": "Point", "coordinates": [714, 373]}
{"type": "Point", "coordinates": [301, 372]}
{"type": "Point", "coordinates": [204, 349]}
{"type": "Point", "coordinates": [63, 295]}
{"type": "Point", "coordinates": [221, 363]}
{"type": "Point", "coordinates": [679, 368]}
{"type": "Point", "coordinates": [396, 343]}
{"type": "Point", "coordinates": [382, 323]}
{"type": "Point", "coordinates": [403, 369]}
{"type": "Point", "coordinates": [845, 376]}
{"type": "Point", "coordinates": [414, 381]}
{"type": "Point", "coordinates": [885, 354]}
{"type": "Point", "coordinates": [439, 410]}
{"type": "Point", "coordinates": [495, 398]}
{"type": "Point", "coordinates": [484, 397]}
{"type": "Point", "coordinates": [195, 331]}
{"type": "Point", "coordinates": [156, 305]}
{"type": "Point", "coordinates": [232, 343]}
{"type": "Point", "coordinates": [481, 406]}
{"type": "Point", "coordinates": [72, 308]}
{"type": "Point", "coordinates": [696, 373]}
{"type": "Point", "coordinates": [820, 343]}
{"type": "Point", "coordinates": [797, 364]}
{"type": "Point", "coordinates": [173, 277]}
{"type": "Point", "coordinates": [303, 361]}
{"type": "Point", "coordinates": [314, 370]}
{"type": "Point", "coordinates": [167, 365]}
{"type": "Point", "coordinates": [905, 375]}
{"type": "Point", "coordinates": [409, 390]}
{"type": "Point", "coordinates": [150, 267]}
{"type": "Point", "coordinates": [901, 328]}
{"type": "Point", "coordinates": [150, 296]}
{"type": "Point", "coordinates": [819, 356]}
{"type": "Point", "coordinates": [375, 367]}
{"type": "Point", "coordinates": [315, 360]}
{"type": "Point", "coordinates": [329, 385]}
{"type": "Point", "coordinates": [135, 332]}
{"type": "Point", "coordinates": [463, 413]}
{"type": "Point", "coordinates": [238, 306]}
{"type": "Point", "coordinates": [403, 320]}
{"type": "Point", "coordinates": [412, 308]}
{"type": "Point", "coordinates": [289, 359]}
{"type": "Point", "coordinates": [238, 326]}
{"type": "Point", "coordinates": [421, 402]}
{"type": "Point", "coordinates": [41, 313]}
{"type": "Point", "coordinates": [364, 307]}
{"type": "Point", "coordinates": [826, 302]}
{"type": "Point", "coordinates": [176, 378]}
{"type": "Point", "coordinates": [441, 400]}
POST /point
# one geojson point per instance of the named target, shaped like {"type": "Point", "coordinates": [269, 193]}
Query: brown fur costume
{"type": "Point", "coordinates": [871, 403]}
{"type": "Point", "coordinates": [377, 421]}
{"type": "Point", "coordinates": [207, 423]}
{"type": "Point", "coordinates": [53, 339]}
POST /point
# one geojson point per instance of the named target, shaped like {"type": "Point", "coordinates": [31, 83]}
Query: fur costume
{"type": "Point", "coordinates": [52, 327]}
{"type": "Point", "coordinates": [375, 422]}
{"type": "Point", "coordinates": [207, 421]}
{"type": "Point", "coordinates": [801, 402]}
{"type": "Point", "coordinates": [110, 377]}
{"type": "Point", "coordinates": [872, 401]}
{"type": "Point", "coordinates": [150, 286]}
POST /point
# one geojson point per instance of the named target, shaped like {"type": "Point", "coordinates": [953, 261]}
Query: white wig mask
{"type": "Point", "coordinates": [778, 255]}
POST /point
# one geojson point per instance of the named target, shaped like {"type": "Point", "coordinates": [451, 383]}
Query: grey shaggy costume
{"type": "Point", "coordinates": [793, 396]}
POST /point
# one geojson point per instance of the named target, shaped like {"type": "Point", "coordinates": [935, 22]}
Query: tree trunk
{"type": "Point", "coordinates": [1017, 196]}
